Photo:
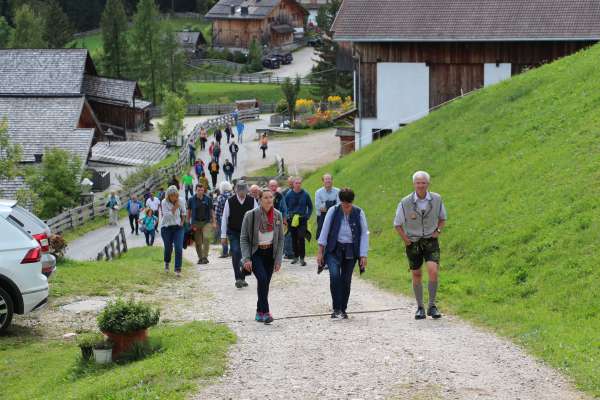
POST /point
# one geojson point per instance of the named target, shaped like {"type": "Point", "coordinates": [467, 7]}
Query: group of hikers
{"type": "Point", "coordinates": [259, 227]}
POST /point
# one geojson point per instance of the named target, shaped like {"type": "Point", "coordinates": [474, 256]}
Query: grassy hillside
{"type": "Point", "coordinates": [518, 166]}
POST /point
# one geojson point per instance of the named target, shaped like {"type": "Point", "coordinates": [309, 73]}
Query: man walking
{"type": "Point", "coordinates": [228, 169]}
{"type": "Point", "coordinates": [188, 184]}
{"type": "Point", "coordinates": [231, 227]}
{"type": "Point", "coordinates": [134, 206]}
{"type": "Point", "coordinates": [344, 240]}
{"type": "Point", "coordinates": [217, 152]}
{"type": "Point", "coordinates": [226, 193]}
{"type": "Point", "coordinates": [288, 249]}
{"type": "Point", "coordinates": [420, 218]}
{"type": "Point", "coordinates": [213, 168]}
{"type": "Point", "coordinates": [300, 209]}
{"type": "Point", "coordinates": [278, 200]}
{"type": "Point", "coordinates": [325, 198]}
{"type": "Point", "coordinates": [218, 135]}
{"type": "Point", "coordinates": [234, 149]}
{"type": "Point", "coordinates": [201, 217]}
{"type": "Point", "coordinates": [153, 203]}
{"type": "Point", "coordinates": [192, 149]}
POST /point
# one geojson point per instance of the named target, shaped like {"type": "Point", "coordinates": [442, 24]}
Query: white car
{"type": "Point", "coordinates": [36, 228]}
{"type": "Point", "coordinates": [23, 287]}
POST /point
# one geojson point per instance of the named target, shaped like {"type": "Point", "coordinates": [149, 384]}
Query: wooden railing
{"type": "Point", "coordinates": [78, 216]}
{"type": "Point", "coordinates": [218, 109]}
{"type": "Point", "coordinates": [250, 79]}
{"type": "Point", "coordinates": [114, 248]}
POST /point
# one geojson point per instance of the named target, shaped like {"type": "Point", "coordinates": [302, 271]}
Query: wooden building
{"type": "Point", "coordinates": [192, 42]}
{"type": "Point", "coordinates": [411, 56]}
{"type": "Point", "coordinates": [271, 22]}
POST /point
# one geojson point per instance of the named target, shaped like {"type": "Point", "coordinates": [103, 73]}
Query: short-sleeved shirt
{"type": "Point", "coordinates": [188, 180]}
{"type": "Point", "coordinates": [421, 205]}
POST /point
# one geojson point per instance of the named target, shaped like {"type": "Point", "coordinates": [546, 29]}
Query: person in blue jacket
{"type": "Point", "coordinates": [299, 210]}
{"type": "Point", "coordinates": [134, 207]}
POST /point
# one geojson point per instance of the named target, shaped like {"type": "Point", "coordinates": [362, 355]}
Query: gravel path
{"type": "Point", "coordinates": [379, 355]}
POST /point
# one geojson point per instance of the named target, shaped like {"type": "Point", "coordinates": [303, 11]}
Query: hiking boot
{"type": "Point", "coordinates": [239, 284]}
{"type": "Point", "coordinates": [244, 283]}
{"type": "Point", "coordinates": [178, 274]}
{"type": "Point", "coordinates": [295, 260]}
{"type": "Point", "coordinates": [336, 314]}
{"type": "Point", "coordinates": [344, 315]}
{"type": "Point", "coordinates": [433, 312]}
{"type": "Point", "coordinates": [302, 262]}
{"type": "Point", "coordinates": [204, 260]}
{"type": "Point", "coordinates": [260, 317]}
{"type": "Point", "coordinates": [200, 261]}
{"type": "Point", "coordinates": [166, 267]}
{"type": "Point", "coordinates": [420, 314]}
{"type": "Point", "coordinates": [268, 318]}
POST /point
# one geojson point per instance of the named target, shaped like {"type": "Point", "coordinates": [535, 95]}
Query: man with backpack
{"type": "Point", "coordinates": [300, 209]}
{"type": "Point", "coordinates": [213, 169]}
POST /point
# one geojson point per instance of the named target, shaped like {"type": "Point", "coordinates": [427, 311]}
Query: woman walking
{"type": "Point", "coordinates": [228, 132]}
{"type": "Point", "coordinates": [261, 241]}
{"type": "Point", "coordinates": [264, 144]}
{"type": "Point", "coordinates": [344, 240]}
{"type": "Point", "coordinates": [173, 215]}
{"type": "Point", "coordinates": [211, 149]}
{"type": "Point", "coordinates": [149, 223]}
{"type": "Point", "coordinates": [203, 138]}
{"type": "Point", "coordinates": [113, 206]}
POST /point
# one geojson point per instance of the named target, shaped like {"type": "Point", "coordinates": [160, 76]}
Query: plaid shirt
{"type": "Point", "coordinates": [221, 205]}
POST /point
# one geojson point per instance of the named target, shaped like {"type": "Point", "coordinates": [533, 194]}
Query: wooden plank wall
{"type": "Point", "coordinates": [447, 81]}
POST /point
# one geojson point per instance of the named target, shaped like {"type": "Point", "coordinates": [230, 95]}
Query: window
{"type": "Point", "coordinates": [380, 133]}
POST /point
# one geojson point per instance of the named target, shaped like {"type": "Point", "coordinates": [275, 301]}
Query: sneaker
{"type": "Point", "coordinates": [260, 317]}
{"type": "Point", "coordinates": [239, 284]}
{"type": "Point", "coordinates": [268, 318]}
{"type": "Point", "coordinates": [433, 312]}
{"type": "Point", "coordinates": [295, 260]}
{"type": "Point", "coordinates": [344, 315]}
{"type": "Point", "coordinates": [200, 261]}
{"type": "Point", "coordinates": [166, 267]}
{"type": "Point", "coordinates": [420, 314]}
{"type": "Point", "coordinates": [178, 274]}
{"type": "Point", "coordinates": [204, 260]}
{"type": "Point", "coordinates": [244, 283]}
{"type": "Point", "coordinates": [302, 262]}
{"type": "Point", "coordinates": [336, 314]}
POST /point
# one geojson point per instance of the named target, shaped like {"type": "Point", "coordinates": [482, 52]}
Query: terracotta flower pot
{"type": "Point", "coordinates": [124, 341]}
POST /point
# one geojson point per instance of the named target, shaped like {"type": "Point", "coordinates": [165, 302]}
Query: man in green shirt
{"type": "Point", "coordinates": [188, 184]}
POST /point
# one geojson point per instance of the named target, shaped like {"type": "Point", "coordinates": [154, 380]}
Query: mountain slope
{"type": "Point", "coordinates": [518, 166]}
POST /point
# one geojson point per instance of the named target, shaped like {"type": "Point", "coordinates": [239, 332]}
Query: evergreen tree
{"type": "Point", "coordinates": [10, 155]}
{"type": "Point", "coordinates": [5, 33]}
{"type": "Point", "coordinates": [145, 42]}
{"type": "Point", "coordinates": [58, 30]}
{"type": "Point", "coordinates": [174, 58]}
{"type": "Point", "coordinates": [174, 111]}
{"type": "Point", "coordinates": [114, 40]}
{"type": "Point", "coordinates": [290, 92]}
{"type": "Point", "coordinates": [29, 30]}
{"type": "Point", "coordinates": [255, 56]}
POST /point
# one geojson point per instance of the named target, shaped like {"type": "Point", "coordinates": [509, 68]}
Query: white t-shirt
{"type": "Point", "coordinates": [153, 203]}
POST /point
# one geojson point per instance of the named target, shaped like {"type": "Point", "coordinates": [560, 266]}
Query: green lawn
{"type": "Point", "coordinates": [139, 270]}
{"type": "Point", "coordinates": [33, 369]}
{"type": "Point", "coordinates": [89, 226]}
{"type": "Point", "coordinates": [518, 165]}
{"type": "Point", "coordinates": [206, 93]}
{"type": "Point", "coordinates": [90, 42]}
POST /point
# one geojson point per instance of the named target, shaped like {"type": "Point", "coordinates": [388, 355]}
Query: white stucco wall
{"type": "Point", "coordinates": [493, 74]}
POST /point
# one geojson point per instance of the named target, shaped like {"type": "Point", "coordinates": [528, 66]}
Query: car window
{"type": "Point", "coordinates": [18, 225]}
{"type": "Point", "coordinates": [28, 221]}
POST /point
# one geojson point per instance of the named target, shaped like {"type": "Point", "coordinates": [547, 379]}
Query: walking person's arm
{"type": "Point", "coordinates": [441, 222]}
{"type": "Point", "coordinates": [309, 207]}
{"type": "Point", "coordinates": [322, 239]}
{"type": "Point", "coordinates": [398, 225]}
{"type": "Point", "coordinates": [279, 245]}
{"type": "Point", "coordinates": [364, 241]}
{"type": "Point", "coordinates": [224, 219]}
{"type": "Point", "coordinates": [245, 244]}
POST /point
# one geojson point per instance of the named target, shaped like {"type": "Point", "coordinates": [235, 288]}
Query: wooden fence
{"type": "Point", "coordinates": [114, 248]}
{"type": "Point", "coordinates": [218, 109]}
{"type": "Point", "coordinates": [250, 79]}
{"type": "Point", "coordinates": [75, 217]}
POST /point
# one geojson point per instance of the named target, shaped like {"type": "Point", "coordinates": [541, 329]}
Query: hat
{"type": "Point", "coordinates": [241, 186]}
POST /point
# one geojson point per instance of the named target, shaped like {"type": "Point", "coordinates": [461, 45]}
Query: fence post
{"type": "Point", "coordinates": [112, 249]}
{"type": "Point", "coordinates": [118, 241]}
{"type": "Point", "coordinates": [106, 253]}
{"type": "Point", "coordinates": [123, 240]}
{"type": "Point", "coordinates": [99, 257]}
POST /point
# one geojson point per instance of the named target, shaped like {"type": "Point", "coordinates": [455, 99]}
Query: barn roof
{"type": "Point", "coordinates": [37, 123]}
{"type": "Point", "coordinates": [188, 38]}
{"type": "Point", "coordinates": [467, 20]}
{"type": "Point", "coordinates": [257, 9]}
{"type": "Point", "coordinates": [43, 72]}
{"type": "Point", "coordinates": [113, 91]}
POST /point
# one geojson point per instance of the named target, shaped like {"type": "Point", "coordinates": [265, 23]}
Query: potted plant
{"type": "Point", "coordinates": [103, 351]}
{"type": "Point", "coordinates": [127, 322]}
{"type": "Point", "coordinates": [86, 342]}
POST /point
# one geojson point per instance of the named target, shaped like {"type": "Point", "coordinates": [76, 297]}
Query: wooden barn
{"type": "Point", "coordinates": [411, 56]}
{"type": "Point", "coordinates": [192, 42]}
{"type": "Point", "coordinates": [271, 22]}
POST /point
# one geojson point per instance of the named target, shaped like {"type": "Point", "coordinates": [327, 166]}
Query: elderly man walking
{"type": "Point", "coordinates": [325, 198]}
{"type": "Point", "coordinates": [226, 193]}
{"type": "Point", "coordinates": [231, 227]}
{"type": "Point", "coordinates": [420, 218]}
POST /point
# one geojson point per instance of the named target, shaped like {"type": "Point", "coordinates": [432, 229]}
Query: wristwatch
{"type": "Point", "coordinates": [438, 230]}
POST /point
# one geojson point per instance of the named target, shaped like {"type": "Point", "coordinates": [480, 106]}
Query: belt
{"type": "Point", "coordinates": [265, 246]}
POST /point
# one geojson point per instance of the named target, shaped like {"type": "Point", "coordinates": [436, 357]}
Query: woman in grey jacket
{"type": "Point", "coordinates": [261, 241]}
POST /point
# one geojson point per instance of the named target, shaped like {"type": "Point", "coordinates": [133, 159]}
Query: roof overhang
{"type": "Point", "coordinates": [459, 40]}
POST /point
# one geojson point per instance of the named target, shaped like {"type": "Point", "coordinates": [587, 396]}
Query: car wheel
{"type": "Point", "coordinates": [6, 310]}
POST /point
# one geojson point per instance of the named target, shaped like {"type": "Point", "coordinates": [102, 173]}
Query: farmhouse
{"type": "Point", "coordinates": [271, 22]}
{"type": "Point", "coordinates": [411, 56]}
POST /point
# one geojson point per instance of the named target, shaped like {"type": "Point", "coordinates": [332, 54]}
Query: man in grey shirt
{"type": "Point", "coordinates": [420, 218]}
{"type": "Point", "coordinates": [325, 198]}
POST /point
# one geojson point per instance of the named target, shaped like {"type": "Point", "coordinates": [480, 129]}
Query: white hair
{"type": "Point", "coordinates": [421, 174]}
{"type": "Point", "coordinates": [225, 187]}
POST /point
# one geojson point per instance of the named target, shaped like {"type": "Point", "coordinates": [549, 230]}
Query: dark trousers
{"type": "Point", "coordinates": [189, 189]}
{"type": "Point", "coordinates": [133, 222]}
{"type": "Point", "coordinates": [172, 237]}
{"type": "Point", "coordinates": [150, 235]}
{"type": "Point", "coordinates": [202, 144]}
{"type": "Point", "coordinates": [234, 159]}
{"type": "Point", "coordinates": [320, 220]}
{"type": "Point", "coordinates": [263, 265]}
{"type": "Point", "coordinates": [340, 279]}
{"type": "Point", "coordinates": [228, 177]}
{"type": "Point", "coordinates": [214, 180]}
{"type": "Point", "coordinates": [288, 249]}
{"type": "Point", "coordinates": [298, 239]}
{"type": "Point", "coordinates": [264, 150]}
{"type": "Point", "coordinates": [236, 254]}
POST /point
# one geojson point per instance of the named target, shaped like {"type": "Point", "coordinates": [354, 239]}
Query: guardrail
{"type": "Point", "coordinates": [77, 216]}
{"type": "Point", "coordinates": [114, 248]}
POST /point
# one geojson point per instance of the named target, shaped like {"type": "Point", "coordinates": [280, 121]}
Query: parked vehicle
{"type": "Point", "coordinates": [314, 41]}
{"type": "Point", "coordinates": [36, 228]}
{"type": "Point", "coordinates": [284, 58]}
{"type": "Point", "coordinates": [23, 287]}
{"type": "Point", "coordinates": [271, 62]}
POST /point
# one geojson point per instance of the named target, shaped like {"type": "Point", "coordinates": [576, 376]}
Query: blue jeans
{"type": "Point", "coordinates": [150, 237]}
{"type": "Point", "coordinates": [236, 254]}
{"type": "Point", "coordinates": [263, 265]}
{"type": "Point", "coordinates": [340, 279]}
{"type": "Point", "coordinates": [288, 249]}
{"type": "Point", "coordinates": [172, 237]}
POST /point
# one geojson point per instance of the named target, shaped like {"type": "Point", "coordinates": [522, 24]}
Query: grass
{"type": "Point", "coordinates": [89, 226]}
{"type": "Point", "coordinates": [139, 270]}
{"type": "Point", "coordinates": [216, 93]}
{"type": "Point", "coordinates": [271, 170]}
{"type": "Point", "coordinates": [196, 351]}
{"type": "Point", "coordinates": [518, 165]}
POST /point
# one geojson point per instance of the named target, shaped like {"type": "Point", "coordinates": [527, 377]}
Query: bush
{"type": "Point", "coordinates": [89, 340]}
{"type": "Point", "coordinates": [281, 106]}
{"type": "Point", "coordinates": [239, 57]}
{"type": "Point", "coordinates": [105, 344]}
{"type": "Point", "coordinates": [58, 246]}
{"type": "Point", "coordinates": [122, 316]}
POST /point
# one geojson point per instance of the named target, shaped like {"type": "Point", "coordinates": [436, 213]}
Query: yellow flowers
{"type": "Point", "coordinates": [305, 105]}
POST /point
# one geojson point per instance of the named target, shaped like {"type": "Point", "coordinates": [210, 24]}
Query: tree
{"type": "Point", "coordinates": [5, 33]}
{"type": "Point", "coordinates": [204, 6]}
{"type": "Point", "coordinates": [145, 37]}
{"type": "Point", "coordinates": [29, 30]}
{"type": "Point", "coordinates": [174, 111]}
{"type": "Point", "coordinates": [58, 30]}
{"type": "Point", "coordinates": [56, 183]}
{"type": "Point", "coordinates": [255, 56]}
{"type": "Point", "coordinates": [10, 155]}
{"type": "Point", "coordinates": [290, 92]}
{"type": "Point", "coordinates": [174, 59]}
{"type": "Point", "coordinates": [114, 41]}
